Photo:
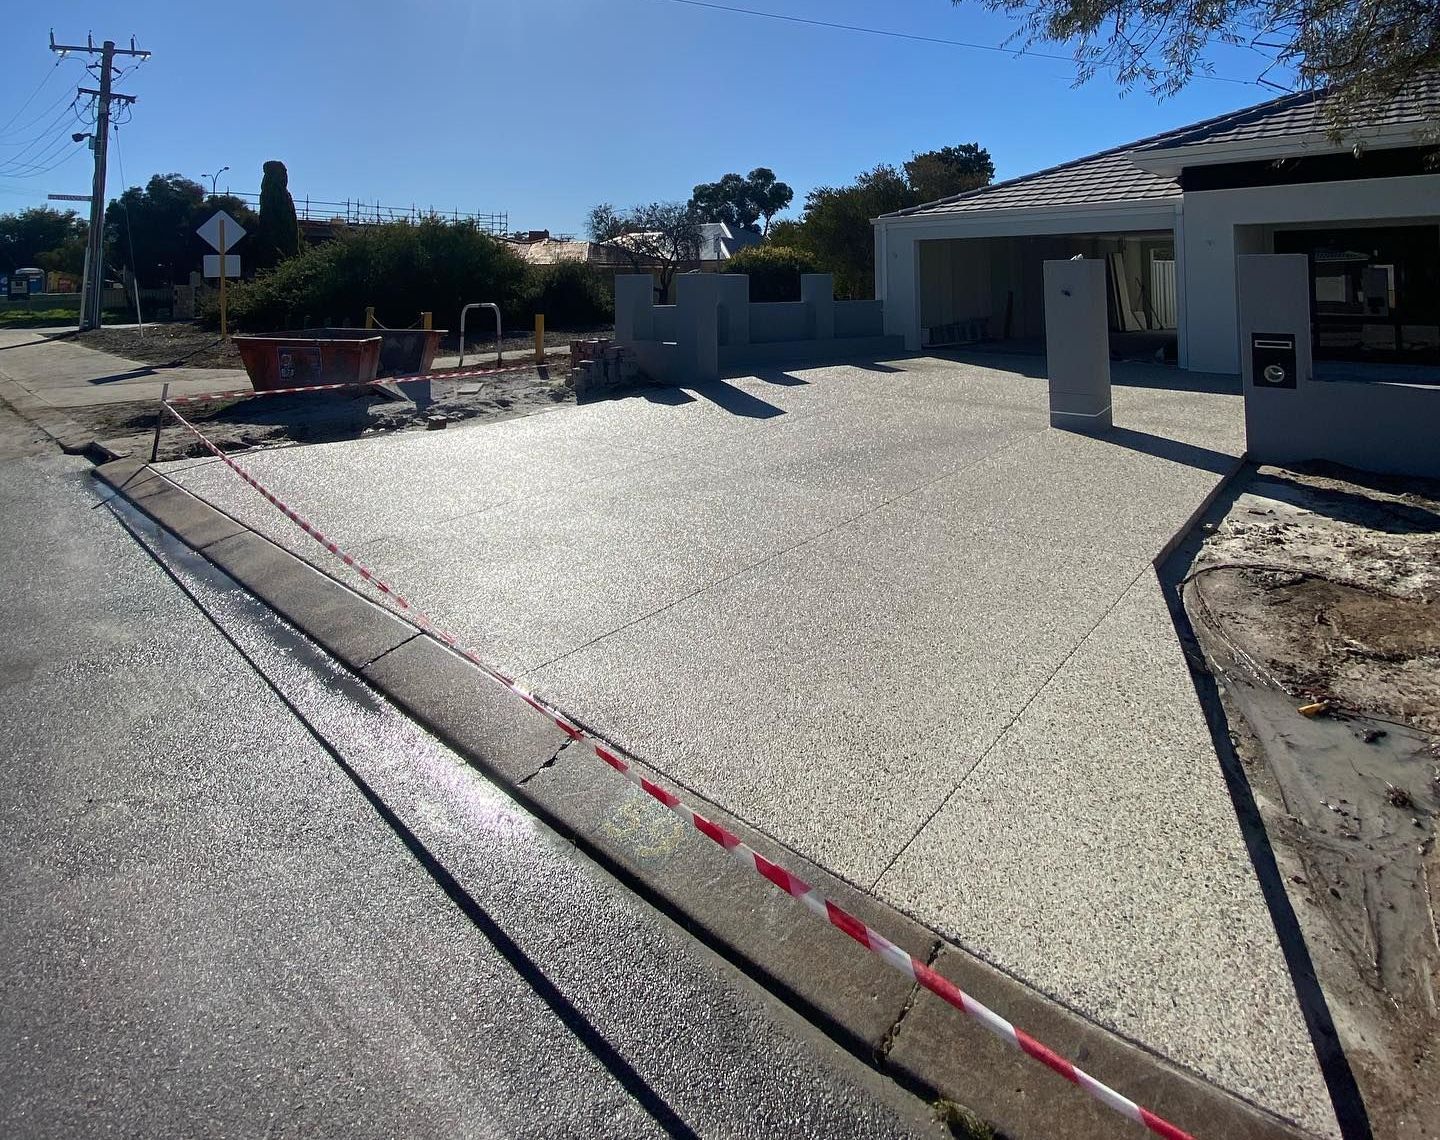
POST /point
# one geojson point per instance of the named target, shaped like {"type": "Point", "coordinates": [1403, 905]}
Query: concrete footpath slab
{"type": "Point", "coordinates": [62, 374]}
{"type": "Point", "coordinates": [864, 609]}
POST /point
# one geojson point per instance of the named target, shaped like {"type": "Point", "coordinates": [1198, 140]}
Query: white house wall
{"type": "Point", "coordinates": [1219, 224]}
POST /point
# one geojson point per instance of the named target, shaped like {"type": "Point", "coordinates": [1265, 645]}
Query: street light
{"type": "Point", "coordinates": [214, 177]}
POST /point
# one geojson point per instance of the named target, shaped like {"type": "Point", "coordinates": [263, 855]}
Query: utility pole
{"type": "Point", "coordinates": [94, 286]}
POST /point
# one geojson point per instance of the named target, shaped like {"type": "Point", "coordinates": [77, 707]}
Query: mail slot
{"type": "Point", "coordinates": [1272, 360]}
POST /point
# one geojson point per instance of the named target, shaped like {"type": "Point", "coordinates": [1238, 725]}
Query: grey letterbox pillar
{"type": "Point", "coordinates": [1077, 345]}
{"type": "Point", "coordinates": [1273, 290]}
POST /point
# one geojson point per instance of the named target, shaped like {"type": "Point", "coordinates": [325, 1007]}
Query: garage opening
{"type": "Point", "coordinates": [991, 290]}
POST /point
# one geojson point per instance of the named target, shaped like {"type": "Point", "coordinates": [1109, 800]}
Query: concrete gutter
{"type": "Point", "coordinates": [865, 1006]}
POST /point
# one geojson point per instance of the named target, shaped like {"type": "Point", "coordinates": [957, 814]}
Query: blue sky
{"type": "Point", "coordinates": [542, 108]}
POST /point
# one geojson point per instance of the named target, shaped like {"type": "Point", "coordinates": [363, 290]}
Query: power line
{"type": "Point", "coordinates": [48, 138]}
{"type": "Point", "coordinates": [913, 36]}
{"type": "Point", "coordinates": [49, 75]}
{"type": "Point", "coordinates": [38, 118]}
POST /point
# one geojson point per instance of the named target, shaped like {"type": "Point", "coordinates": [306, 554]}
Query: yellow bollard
{"type": "Point", "coordinates": [369, 316]}
{"type": "Point", "coordinates": [539, 338]}
{"type": "Point", "coordinates": [425, 321]}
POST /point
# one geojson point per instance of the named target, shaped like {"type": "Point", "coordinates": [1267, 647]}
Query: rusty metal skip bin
{"type": "Point", "coordinates": [283, 360]}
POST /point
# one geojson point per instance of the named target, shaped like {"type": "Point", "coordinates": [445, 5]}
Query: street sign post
{"type": "Point", "coordinates": [221, 231]}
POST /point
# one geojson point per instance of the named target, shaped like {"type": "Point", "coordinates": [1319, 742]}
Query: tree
{"type": "Point", "coordinates": [31, 237]}
{"type": "Point", "coordinates": [659, 237]}
{"type": "Point", "coordinates": [278, 236]}
{"type": "Point", "coordinates": [838, 231]}
{"type": "Point", "coordinates": [1367, 51]}
{"type": "Point", "coordinates": [742, 202]}
{"type": "Point", "coordinates": [151, 231]}
{"type": "Point", "coordinates": [948, 171]}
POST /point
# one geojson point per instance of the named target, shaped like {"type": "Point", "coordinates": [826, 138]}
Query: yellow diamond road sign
{"type": "Point", "coordinates": [210, 231]}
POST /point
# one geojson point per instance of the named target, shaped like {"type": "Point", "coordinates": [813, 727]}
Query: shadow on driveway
{"type": "Point", "coordinates": [736, 401]}
{"type": "Point", "coordinates": [1172, 449]}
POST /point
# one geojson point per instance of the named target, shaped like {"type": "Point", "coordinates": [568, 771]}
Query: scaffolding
{"type": "Point", "coordinates": [360, 212]}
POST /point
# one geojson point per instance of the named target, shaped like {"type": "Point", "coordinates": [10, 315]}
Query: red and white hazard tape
{"type": "Point", "coordinates": [747, 856]}
{"type": "Point", "coordinates": [247, 393]}
{"type": "Point", "coordinates": [239, 393]}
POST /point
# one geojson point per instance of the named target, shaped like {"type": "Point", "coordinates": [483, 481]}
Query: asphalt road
{"type": "Point", "coordinates": [243, 896]}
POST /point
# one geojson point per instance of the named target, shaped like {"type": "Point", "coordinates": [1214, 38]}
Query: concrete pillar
{"type": "Point", "coordinates": [634, 307]}
{"type": "Point", "coordinates": [1077, 345]}
{"type": "Point", "coordinates": [734, 325]}
{"type": "Point", "coordinates": [817, 291]}
{"type": "Point", "coordinates": [1273, 290]}
{"type": "Point", "coordinates": [697, 308]}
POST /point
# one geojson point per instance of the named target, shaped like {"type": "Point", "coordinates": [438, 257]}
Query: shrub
{"type": "Point", "coordinates": [774, 271]}
{"type": "Point", "coordinates": [402, 269]}
{"type": "Point", "coordinates": [571, 294]}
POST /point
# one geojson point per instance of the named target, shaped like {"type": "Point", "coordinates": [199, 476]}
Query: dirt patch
{"type": "Point", "coordinates": [181, 344]}
{"type": "Point", "coordinates": [480, 338]}
{"type": "Point", "coordinates": [321, 417]}
{"type": "Point", "coordinates": [1316, 601]}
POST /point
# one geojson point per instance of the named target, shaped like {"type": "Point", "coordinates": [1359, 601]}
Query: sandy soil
{"type": "Point", "coordinates": [480, 337]}
{"type": "Point", "coordinates": [185, 344]}
{"type": "Point", "coordinates": [1320, 590]}
{"type": "Point", "coordinates": [319, 417]}
{"type": "Point", "coordinates": [178, 345]}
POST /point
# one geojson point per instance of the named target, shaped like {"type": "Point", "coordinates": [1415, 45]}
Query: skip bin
{"type": "Point", "coordinates": [301, 361]}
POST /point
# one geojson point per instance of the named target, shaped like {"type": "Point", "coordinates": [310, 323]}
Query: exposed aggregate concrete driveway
{"type": "Point", "coordinates": [889, 617]}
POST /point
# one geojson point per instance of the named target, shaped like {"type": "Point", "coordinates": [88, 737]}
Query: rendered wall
{"type": "Point", "coordinates": [859, 318]}
{"type": "Point", "coordinates": [713, 326]}
{"type": "Point", "coordinates": [1373, 425]}
{"type": "Point", "coordinates": [772, 321]}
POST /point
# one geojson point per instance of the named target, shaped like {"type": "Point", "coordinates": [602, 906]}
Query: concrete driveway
{"type": "Point", "coordinates": [889, 617]}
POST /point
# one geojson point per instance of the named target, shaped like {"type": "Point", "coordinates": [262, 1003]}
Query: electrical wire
{"type": "Point", "coordinates": [19, 166]}
{"type": "Point", "coordinates": [49, 75]}
{"type": "Point", "coordinates": [48, 110]}
{"type": "Point", "coordinates": [913, 36]}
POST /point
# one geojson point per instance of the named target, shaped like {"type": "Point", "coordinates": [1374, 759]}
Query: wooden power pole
{"type": "Point", "coordinates": [94, 287]}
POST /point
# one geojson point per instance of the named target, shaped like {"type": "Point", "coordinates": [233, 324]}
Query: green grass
{"type": "Point", "coordinates": [22, 316]}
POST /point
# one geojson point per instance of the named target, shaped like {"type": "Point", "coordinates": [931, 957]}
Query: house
{"type": "Point", "coordinates": [1169, 215]}
{"type": "Point", "coordinates": [719, 242]}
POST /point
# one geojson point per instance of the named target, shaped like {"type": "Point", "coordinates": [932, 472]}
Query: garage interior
{"type": "Point", "coordinates": [991, 290]}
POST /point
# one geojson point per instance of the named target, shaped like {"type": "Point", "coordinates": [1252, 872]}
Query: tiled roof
{"type": "Point", "coordinates": [1303, 114]}
{"type": "Point", "coordinates": [1111, 176]}
{"type": "Point", "coordinates": [1106, 177]}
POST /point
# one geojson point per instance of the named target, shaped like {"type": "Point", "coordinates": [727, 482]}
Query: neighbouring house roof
{"type": "Point", "coordinates": [719, 242]}
{"type": "Point", "coordinates": [1113, 176]}
{"type": "Point", "coordinates": [551, 251]}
